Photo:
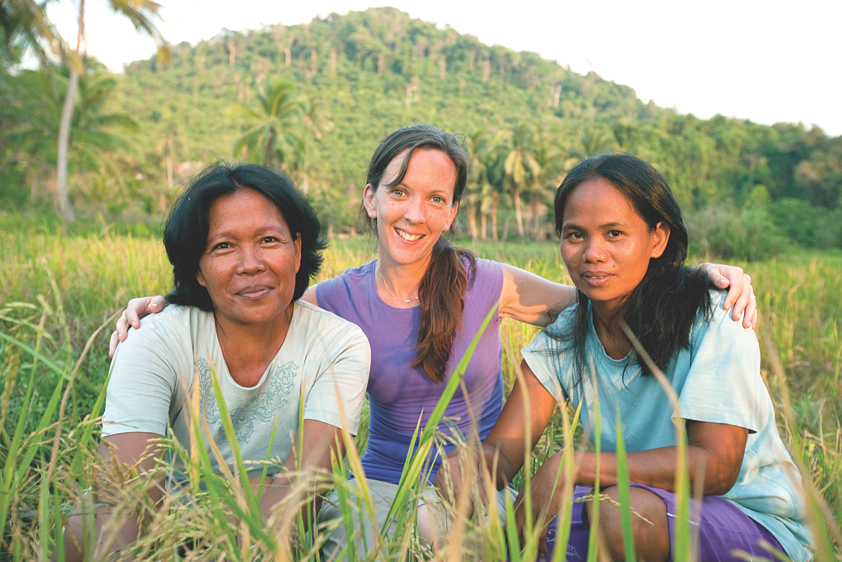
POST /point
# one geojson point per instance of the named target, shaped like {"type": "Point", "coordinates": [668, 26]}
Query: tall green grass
{"type": "Point", "coordinates": [56, 290]}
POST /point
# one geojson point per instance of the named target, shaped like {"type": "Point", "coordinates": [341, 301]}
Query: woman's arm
{"type": "Point", "coordinates": [529, 298]}
{"type": "Point", "coordinates": [714, 453]}
{"type": "Point", "coordinates": [137, 451]}
{"type": "Point", "coordinates": [525, 297]}
{"type": "Point", "coordinates": [315, 441]}
{"type": "Point", "coordinates": [521, 423]}
{"type": "Point", "coordinates": [144, 306]}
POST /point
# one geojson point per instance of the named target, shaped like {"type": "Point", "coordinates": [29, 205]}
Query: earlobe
{"type": "Point", "coordinates": [201, 279]}
{"type": "Point", "coordinates": [297, 244]}
{"type": "Point", "coordinates": [660, 237]}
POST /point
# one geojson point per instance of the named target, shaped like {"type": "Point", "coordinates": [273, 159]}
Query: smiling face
{"type": "Point", "coordinates": [412, 215]}
{"type": "Point", "coordinates": [250, 261]}
{"type": "Point", "coordinates": [606, 245]}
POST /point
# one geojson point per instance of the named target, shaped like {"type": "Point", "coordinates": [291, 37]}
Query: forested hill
{"type": "Point", "coordinates": [526, 121]}
{"type": "Point", "coordinates": [374, 71]}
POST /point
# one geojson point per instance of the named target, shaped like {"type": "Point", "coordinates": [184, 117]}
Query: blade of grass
{"type": "Point", "coordinates": [624, 494]}
{"type": "Point", "coordinates": [251, 513]}
{"type": "Point", "coordinates": [566, 515]}
{"type": "Point", "coordinates": [593, 537]}
{"type": "Point", "coordinates": [681, 529]}
{"type": "Point", "coordinates": [410, 477]}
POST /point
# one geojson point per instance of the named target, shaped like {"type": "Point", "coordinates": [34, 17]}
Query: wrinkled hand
{"type": "Point", "coordinates": [740, 300]}
{"type": "Point", "coordinates": [136, 309]}
{"type": "Point", "coordinates": [459, 471]}
{"type": "Point", "coordinates": [449, 480]}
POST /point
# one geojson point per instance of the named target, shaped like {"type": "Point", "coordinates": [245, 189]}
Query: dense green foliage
{"type": "Point", "coordinates": [367, 73]}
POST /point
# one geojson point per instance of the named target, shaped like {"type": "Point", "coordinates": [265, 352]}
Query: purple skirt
{"type": "Point", "coordinates": [722, 528]}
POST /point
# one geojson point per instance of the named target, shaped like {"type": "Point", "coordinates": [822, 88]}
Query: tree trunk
{"type": "Point", "coordinates": [267, 152]}
{"type": "Point", "coordinates": [537, 223]}
{"type": "Point", "coordinates": [63, 201]}
{"type": "Point", "coordinates": [518, 211]}
{"type": "Point", "coordinates": [169, 171]}
{"type": "Point", "coordinates": [483, 226]}
{"type": "Point", "coordinates": [494, 222]}
{"type": "Point", "coordinates": [506, 228]}
{"type": "Point", "coordinates": [232, 52]}
{"type": "Point", "coordinates": [65, 209]}
{"type": "Point", "coordinates": [472, 221]}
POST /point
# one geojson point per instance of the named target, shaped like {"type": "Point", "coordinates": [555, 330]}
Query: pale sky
{"type": "Point", "coordinates": [767, 61]}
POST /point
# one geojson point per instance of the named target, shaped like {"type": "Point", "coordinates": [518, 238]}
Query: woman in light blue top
{"type": "Point", "coordinates": [624, 244]}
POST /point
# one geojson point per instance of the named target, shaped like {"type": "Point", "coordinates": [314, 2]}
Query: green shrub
{"type": "Point", "coordinates": [811, 227]}
{"type": "Point", "coordinates": [727, 232]}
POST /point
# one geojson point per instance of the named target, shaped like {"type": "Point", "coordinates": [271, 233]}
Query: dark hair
{"type": "Point", "coordinates": [446, 279]}
{"type": "Point", "coordinates": [186, 232]}
{"type": "Point", "coordinates": [662, 308]}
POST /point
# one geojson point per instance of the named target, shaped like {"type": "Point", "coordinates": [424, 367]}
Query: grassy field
{"type": "Point", "coordinates": [57, 289]}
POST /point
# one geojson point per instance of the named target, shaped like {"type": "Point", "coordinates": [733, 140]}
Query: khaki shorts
{"type": "Point", "coordinates": [431, 518]}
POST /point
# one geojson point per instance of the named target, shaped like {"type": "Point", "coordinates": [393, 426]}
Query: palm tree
{"type": "Point", "coordinates": [317, 123]}
{"type": "Point", "coordinates": [171, 142]}
{"type": "Point", "coordinates": [494, 192]}
{"type": "Point", "coordinates": [92, 127]}
{"type": "Point", "coordinates": [142, 14]}
{"type": "Point", "coordinates": [540, 192]}
{"type": "Point", "coordinates": [593, 141]}
{"type": "Point", "coordinates": [90, 123]}
{"type": "Point", "coordinates": [521, 167]}
{"type": "Point", "coordinates": [478, 146]}
{"type": "Point", "coordinates": [24, 26]}
{"type": "Point", "coordinates": [274, 130]}
{"type": "Point", "coordinates": [283, 129]}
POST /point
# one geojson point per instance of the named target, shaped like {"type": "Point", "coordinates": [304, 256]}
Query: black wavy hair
{"type": "Point", "coordinates": [663, 307]}
{"type": "Point", "coordinates": [186, 231]}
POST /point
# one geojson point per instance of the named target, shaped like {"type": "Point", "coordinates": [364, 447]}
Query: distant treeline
{"type": "Point", "coordinates": [314, 100]}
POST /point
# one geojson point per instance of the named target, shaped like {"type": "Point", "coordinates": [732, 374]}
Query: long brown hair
{"type": "Point", "coordinates": [446, 279]}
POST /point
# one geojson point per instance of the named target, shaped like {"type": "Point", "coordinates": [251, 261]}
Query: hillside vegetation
{"type": "Point", "coordinates": [138, 137]}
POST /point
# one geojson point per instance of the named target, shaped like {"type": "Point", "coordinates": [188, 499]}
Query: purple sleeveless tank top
{"type": "Point", "coordinates": [398, 393]}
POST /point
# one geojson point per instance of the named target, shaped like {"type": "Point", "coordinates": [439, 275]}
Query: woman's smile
{"type": "Point", "coordinates": [412, 215]}
{"type": "Point", "coordinates": [255, 292]}
{"type": "Point", "coordinates": [596, 278]}
{"type": "Point", "coordinates": [251, 260]}
{"type": "Point", "coordinates": [407, 236]}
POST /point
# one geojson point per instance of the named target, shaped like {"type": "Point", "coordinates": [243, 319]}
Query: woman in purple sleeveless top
{"type": "Point", "coordinates": [420, 305]}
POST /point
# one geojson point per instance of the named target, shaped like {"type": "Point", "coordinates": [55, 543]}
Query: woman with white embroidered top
{"type": "Point", "coordinates": [243, 244]}
{"type": "Point", "coordinates": [623, 243]}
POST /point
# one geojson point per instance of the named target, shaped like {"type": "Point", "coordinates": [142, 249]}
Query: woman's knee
{"type": "Point", "coordinates": [650, 525]}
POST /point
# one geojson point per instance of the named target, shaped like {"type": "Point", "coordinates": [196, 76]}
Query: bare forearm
{"type": "Point", "coordinates": [89, 534]}
{"type": "Point", "coordinates": [656, 468]}
{"type": "Point", "coordinates": [278, 495]}
{"type": "Point", "coordinates": [91, 526]}
{"type": "Point", "coordinates": [500, 463]}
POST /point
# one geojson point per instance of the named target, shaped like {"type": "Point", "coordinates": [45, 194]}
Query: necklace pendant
{"type": "Point", "coordinates": [391, 294]}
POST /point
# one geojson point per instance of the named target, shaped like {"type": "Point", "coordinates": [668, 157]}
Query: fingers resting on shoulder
{"type": "Point", "coordinates": [135, 310]}
{"type": "Point", "coordinates": [741, 300]}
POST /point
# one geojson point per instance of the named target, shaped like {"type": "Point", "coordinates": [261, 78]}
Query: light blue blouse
{"type": "Point", "coordinates": [717, 379]}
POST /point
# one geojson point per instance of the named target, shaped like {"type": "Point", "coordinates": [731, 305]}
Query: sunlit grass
{"type": "Point", "coordinates": [57, 289]}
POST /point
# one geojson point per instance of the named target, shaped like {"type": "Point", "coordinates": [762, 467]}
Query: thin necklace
{"type": "Point", "coordinates": [407, 301]}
